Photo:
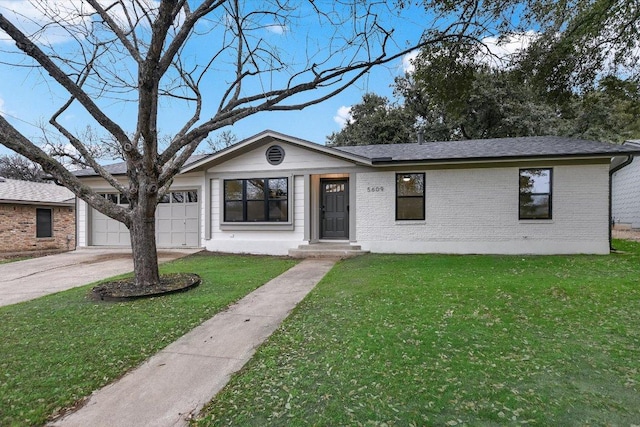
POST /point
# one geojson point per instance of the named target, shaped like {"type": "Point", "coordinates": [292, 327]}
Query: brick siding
{"type": "Point", "coordinates": [18, 228]}
{"type": "Point", "coordinates": [476, 211]}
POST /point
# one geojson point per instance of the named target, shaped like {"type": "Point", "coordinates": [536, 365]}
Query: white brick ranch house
{"type": "Point", "coordinates": [271, 193]}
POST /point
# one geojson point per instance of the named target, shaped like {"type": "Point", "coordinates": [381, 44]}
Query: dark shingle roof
{"type": "Point", "coordinates": [488, 149]}
{"type": "Point", "coordinates": [121, 168]}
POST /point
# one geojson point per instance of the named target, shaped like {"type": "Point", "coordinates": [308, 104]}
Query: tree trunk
{"type": "Point", "coordinates": [143, 245]}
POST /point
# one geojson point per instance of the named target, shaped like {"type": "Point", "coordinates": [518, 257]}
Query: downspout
{"type": "Point", "coordinates": [611, 172]}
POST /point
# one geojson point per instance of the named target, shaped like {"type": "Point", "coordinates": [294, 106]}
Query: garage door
{"type": "Point", "coordinates": [177, 222]}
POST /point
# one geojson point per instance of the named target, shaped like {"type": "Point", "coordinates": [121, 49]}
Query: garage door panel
{"type": "Point", "coordinates": [163, 225]}
{"type": "Point", "coordinates": [163, 211]}
{"type": "Point", "coordinates": [178, 239]}
{"type": "Point", "coordinates": [113, 226]}
{"type": "Point", "coordinates": [163, 239]}
{"type": "Point", "coordinates": [118, 239]}
{"type": "Point", "coordinates": [178, 211]}
{"type": "Point", "coordinates": [178, 225]}
{"type": "Point", "coordinates": [192, 239]}
{"type": "Point", "coordinates": [191, 211]}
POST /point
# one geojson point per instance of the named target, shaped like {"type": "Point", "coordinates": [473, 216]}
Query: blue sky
{"type": "Point", "coordinates": [26, 99]}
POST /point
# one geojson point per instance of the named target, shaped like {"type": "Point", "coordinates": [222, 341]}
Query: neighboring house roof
{"type": "Point", "coordinates": [34, 193]}
{"type": "Point", "coordinates": [121, 168]}
{"type": "Point", "coordinates": [488, 149]}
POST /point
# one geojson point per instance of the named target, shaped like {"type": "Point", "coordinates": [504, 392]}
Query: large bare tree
{"type": "Point", "coordinates": [212, 58]}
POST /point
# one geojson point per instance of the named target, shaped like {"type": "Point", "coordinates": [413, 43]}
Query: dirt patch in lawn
{"type": "Point", "coordinates": [626, 234]}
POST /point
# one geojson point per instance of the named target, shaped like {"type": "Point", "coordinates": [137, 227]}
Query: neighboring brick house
{"type": "Point", "coordinates": [36, 217]}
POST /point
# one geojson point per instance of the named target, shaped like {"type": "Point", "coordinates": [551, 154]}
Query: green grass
{"type": "Point", "coordinates": [58, 349]}
{"type": "Point", "coordinates": [12, 259]}
{"type": "Point", "coordinates": [388, 340]}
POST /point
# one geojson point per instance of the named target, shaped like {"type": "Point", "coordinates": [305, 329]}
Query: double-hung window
{"type": "Point", "coordinates": [256, 200]}
{"type": "Point", "coordinates": [410, 196]}
{"type": "Point", "coordinates": [535, 193]}
{"type": "Point", "coordinates": [44, 223]}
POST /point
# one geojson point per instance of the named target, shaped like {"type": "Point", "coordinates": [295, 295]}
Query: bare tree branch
{"type": "Point", "coordinates": [30, 49]}
{"type": "Point", "coordinates": [11, 138]}
{"type": "Point", "coordinates": [220, 62]}
{"type": "Point", "coordinates": [132, 48]}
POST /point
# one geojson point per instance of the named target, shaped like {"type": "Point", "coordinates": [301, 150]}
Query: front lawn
{"type": "Point", "coordinates": [452, 340]}
{"type": "Point", "coordinates": [58, 349]}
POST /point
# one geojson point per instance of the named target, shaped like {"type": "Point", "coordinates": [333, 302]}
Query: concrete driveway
{"type": "Point", "coordinates": [33, 278]}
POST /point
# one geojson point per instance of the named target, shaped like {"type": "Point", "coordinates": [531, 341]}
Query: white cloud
{"type": "Point", "coordinates": [276, 29]}
{"type": "Point", "coordinates": [498, 51]}
{"type": "Point", "coordinates": [407, 61]}
{"type": "Point", "coordinates": [343, 116]}
{"type": "Point", "coordinates": [494, 51]}
{"type": "Point", "coordinates": [72, 17]}
{"type": "Point", "coordinates": [31, 17]}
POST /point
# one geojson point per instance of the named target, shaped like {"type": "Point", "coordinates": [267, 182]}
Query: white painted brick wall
{"type": "Point", "coordinates": [273, 242]}
{"type": "Point", "coordinates": [476, 211]}
{"type": "Point", "coordinates": [626, 195]}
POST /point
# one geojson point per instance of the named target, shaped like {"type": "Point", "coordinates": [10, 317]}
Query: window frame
{"type": "Point", "coordinates": [121, 199]}
{"type": "Point", "coordinates": [266, 200]}
{"type": "Point", "coordinates": [49, 226]}
{"type": "Point", "coordinates": [179, 197]}
{"type": "Point", "coordinates": [549, 194]}
{"type": "Point", "coordinates": [398, 197]}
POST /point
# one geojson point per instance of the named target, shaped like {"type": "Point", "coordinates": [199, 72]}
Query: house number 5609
{"type": "Point", "coordinates": [375, 189]}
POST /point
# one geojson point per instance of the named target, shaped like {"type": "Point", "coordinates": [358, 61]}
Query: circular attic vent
{"type": "Point", "coordinates": [275, 154]}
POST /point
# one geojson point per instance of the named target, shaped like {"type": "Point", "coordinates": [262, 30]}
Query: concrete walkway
{"type": "Point", "coordinates": [36, 277]}
{"type": "Point", "coordinates": [172, 386]}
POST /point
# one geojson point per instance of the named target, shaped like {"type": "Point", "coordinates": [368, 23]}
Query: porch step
{"type": "Point", "coordinates": [327, 250]}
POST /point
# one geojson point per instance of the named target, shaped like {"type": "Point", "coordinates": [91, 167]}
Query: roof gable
{"type": "Point", "coordinates": [266, 138]}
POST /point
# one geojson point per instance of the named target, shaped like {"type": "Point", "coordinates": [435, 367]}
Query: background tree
{"type": "Point", "coordinates": [100, 148]}
{"type": "Point", "coordinates": [14, 166]}
{"type": "Point", "coordinates": [581, 41]}
{"type": "Point", "coordinates": [375, 121]}
{"type": "Point", "coordinates": [151, 54]}
{"type": "Point", "coordinates": [455, 93]}
{"type": "Point", "coordinates": [224, 139]}
{"type": "Point", "coordinates": [609, 112]}
{"type": "Point", "coordinates": [578, 77]}
{"type": "Point", "coordinates": [459, 97]}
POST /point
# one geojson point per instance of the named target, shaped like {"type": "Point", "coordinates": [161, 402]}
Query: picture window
{"type": "Point", "coordinates": [256, 200]}
{"type": "Point", "coordinates": [410, 196]}
{"type": "Point", "coordinates": [535, 193]}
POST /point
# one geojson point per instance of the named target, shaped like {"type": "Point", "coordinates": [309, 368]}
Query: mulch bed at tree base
{"type": "Point", "coordinates": [126, 289]}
